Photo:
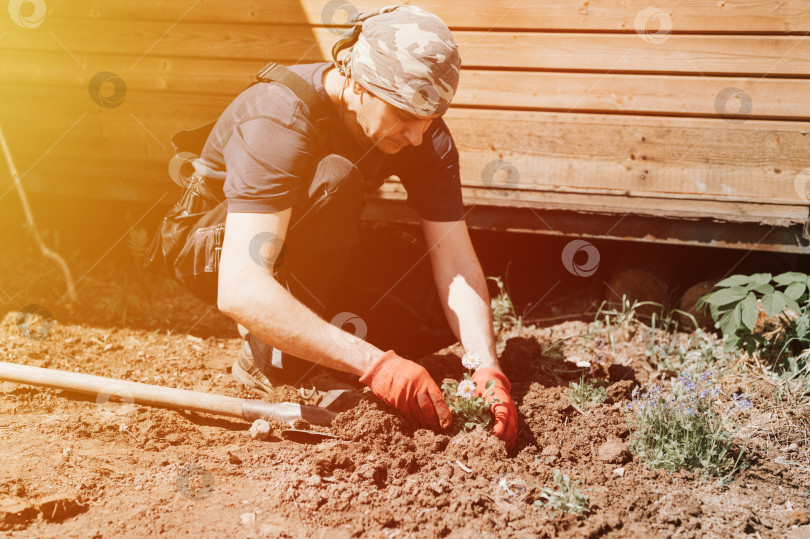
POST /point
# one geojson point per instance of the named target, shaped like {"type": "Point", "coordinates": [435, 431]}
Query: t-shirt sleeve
{"type": "Point", "coordinates": [430, 175]}
{"type": "Point", "coordinates": [266, 163]}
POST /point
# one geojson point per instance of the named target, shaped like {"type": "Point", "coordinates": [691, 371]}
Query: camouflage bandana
{"type": "Point", "coordinates": [404, 55]}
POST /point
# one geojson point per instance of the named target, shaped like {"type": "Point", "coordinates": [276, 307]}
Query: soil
{"type": "Point", "coordinates": [74, 467]}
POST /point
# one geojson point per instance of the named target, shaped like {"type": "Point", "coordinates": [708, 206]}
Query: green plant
{"type": "Point", "coordinates": [622, 315]}
{"type": "Point", "coordinates": [469, 410]}
{"type": "Point", "coordinates": [586, 392]}
{"type": "Point", "coordinates": [680, 427]}
{"type": "Point", "coordinates": [565, 497]}
{"type": "Point", "coordinates": [611, 320]}
{"type": "Point", "coordinates": [735, 307]}
{"type": "Point", "coordinates": [695, 351]}
{"type": "Point", "coordinates": [664, 340]}
{"type": "Point", "coordinates": [503, 310]}
{"type": "Point", "coordinates": [137, 245]}
{"type": "Point", "coordinates": [793, 386]}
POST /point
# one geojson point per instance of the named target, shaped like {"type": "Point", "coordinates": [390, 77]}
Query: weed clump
{"type": "Point", "coordinates": [586, 392]}
{"type": "Point", "coordinates": [563, 496]}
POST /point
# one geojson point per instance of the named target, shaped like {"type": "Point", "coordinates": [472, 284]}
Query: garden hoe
{"type": "Point", "coordinates": [167, 397]}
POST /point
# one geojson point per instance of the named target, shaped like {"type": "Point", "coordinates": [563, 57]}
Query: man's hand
{"type": "Point", "coordinates": [505, 412]}
{"type": "Point", "coordinates": [408, 387]}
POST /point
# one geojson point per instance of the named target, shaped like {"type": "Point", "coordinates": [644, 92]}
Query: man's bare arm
{"type": "Point", "coordinates": [250, 295]}
{"type": "Point", "coordinates": [462, 287]}
{"type": "Point", "coordinates": [463, 290]}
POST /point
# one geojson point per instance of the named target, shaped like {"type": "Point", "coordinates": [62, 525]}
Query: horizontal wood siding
{"type": "Point", "coordinates": [597, 15]}
{"type": "Point", "coordinates": [602, 106]}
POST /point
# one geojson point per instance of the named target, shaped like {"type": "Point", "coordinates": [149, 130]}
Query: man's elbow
{"type": "Point", "coordinates": [226, 303]}
{"type": "Point", "coordinates": [230, 300]}
{"type": "Point", "coordinates": [236, 296]}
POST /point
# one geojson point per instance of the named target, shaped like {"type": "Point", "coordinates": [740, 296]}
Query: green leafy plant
{"type": "Point", "coordinates": [503, 310]}
{"type": "Point", "coordinates": [586, 392]}
{"type": "Point", "coordinates": [469, 410]}
{"type": "Point", "coordinates": [735, 307]}
{"type": "Point", "coordinates": [562, 496]}
{"type": "Point", "coordinates": [137, 245]}
{"type": "Point", "coordinates": [680, 427]}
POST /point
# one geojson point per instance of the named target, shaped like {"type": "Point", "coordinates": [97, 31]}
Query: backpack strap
{"type": "Point", "coordinates": [193, 140]}
{"type": "Point", "coordinates": [319, 108]}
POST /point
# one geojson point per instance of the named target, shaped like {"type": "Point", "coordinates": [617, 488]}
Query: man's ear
{"type": "Point", "coordinates": [356, 88]}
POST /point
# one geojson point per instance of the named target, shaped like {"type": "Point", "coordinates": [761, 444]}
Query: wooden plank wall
{"type": "Point", "coordinates": [689, 110]}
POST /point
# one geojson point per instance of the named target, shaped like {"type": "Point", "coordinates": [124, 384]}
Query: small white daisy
{"type": "Point", "coordinates": [584, 364]}
{"type": "Point", "coordinates": [471, 360]}
{"type": "Point", "coordinates": [466, 389]}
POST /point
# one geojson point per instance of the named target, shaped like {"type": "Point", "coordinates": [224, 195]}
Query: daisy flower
{"type": "Point", "coordinates": [471, 360]}
{"type": "Point", "coordinates": [466, 389]}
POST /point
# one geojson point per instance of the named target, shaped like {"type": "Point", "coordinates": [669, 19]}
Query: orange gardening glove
{"type": "Point", "coordinates": [505, 412]}
{"type": "Point", "coordinates": [408, 387]}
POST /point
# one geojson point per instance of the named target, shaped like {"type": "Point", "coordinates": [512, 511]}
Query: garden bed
{"type": "Point", "coordinates": [74, 467]}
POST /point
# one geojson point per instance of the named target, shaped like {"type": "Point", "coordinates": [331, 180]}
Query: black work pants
{"type": "Point", "coordinates": [374, 281]}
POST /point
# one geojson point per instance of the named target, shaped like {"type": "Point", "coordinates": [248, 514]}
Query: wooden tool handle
{"type": "Point", "coordinates": [167, 397]}
{"type": "Point", "coordinates": [136, 392]}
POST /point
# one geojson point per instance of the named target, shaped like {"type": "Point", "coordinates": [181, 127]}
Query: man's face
{"type": "Point", "coordinates": [387, 127]}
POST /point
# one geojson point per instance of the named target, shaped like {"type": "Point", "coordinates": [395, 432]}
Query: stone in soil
{"type": "Point", "coordinates": [260, 430]}
{"type": "Point", "coordinates": [551, 451]}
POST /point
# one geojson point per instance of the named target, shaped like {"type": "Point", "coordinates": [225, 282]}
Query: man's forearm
{"type": "Point", "coordinates": [467, 304]}
{"type": "Point", "coordinates": [276, 317]}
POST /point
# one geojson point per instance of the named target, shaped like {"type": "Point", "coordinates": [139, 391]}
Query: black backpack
{"type": "Point", "coordinates": [188, 242]}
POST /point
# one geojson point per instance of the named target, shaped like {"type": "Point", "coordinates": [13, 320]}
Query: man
{"type": "Point", "coordinates": [289, 255]}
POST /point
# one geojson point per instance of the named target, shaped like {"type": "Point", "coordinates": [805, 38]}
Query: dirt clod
{"type": "Point", "coordinates": [620, 391]}
{"type": "Point", "coordinates": [614, 452]}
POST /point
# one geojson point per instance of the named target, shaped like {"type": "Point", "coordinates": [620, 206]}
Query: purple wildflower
{"type": "Point", "coordinates": [742, 402]}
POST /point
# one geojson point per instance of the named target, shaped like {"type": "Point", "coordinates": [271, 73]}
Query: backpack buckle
{"type": "Point", "coordinates": [262, 75]}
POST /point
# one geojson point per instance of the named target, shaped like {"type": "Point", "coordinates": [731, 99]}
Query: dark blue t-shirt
{"type": "Point", "coordinates": [265, 146]}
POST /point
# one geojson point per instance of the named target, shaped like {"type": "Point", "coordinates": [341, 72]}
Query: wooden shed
{"type": "Point", "coordinates": [682, 122]}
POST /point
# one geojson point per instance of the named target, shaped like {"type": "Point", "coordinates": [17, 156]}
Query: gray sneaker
{"type": "Point", "coordinates": [254, 374]}
{"type": "Point", "coordinates": [245, 370]}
